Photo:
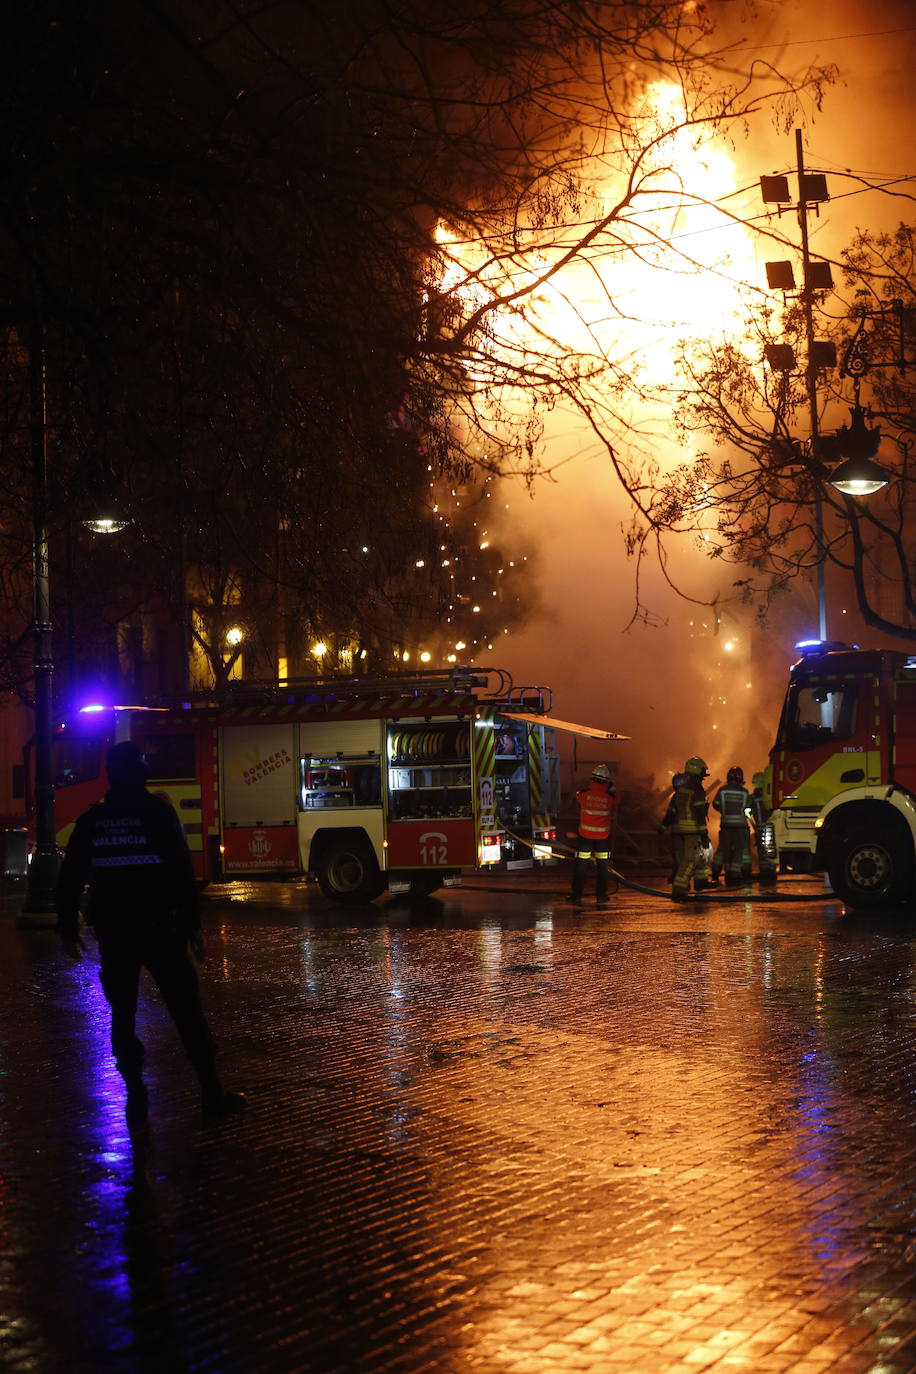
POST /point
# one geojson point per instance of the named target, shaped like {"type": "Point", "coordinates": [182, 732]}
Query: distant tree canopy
{"type": "Point", "coordinates": [273, 248]}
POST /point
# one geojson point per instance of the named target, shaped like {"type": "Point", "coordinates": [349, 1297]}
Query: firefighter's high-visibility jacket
{"type": "Point", "coordinates": [690, 807]}
{"type": "Point", "coordinates": [596, 810]}
{"type": "Point", "coordinates": [732, 803]}
{"type": "Point", "coordinates": [131, 850]}
{"type": "Point", "coordinates": [759, 810]}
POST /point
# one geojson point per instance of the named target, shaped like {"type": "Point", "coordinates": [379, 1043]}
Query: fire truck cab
{"type": "Point", "coordinates": [843, 773]}
{"type": "Point", "coordinates": [398, 785]}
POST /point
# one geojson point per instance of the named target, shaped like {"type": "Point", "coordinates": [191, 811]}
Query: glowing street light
{"type": "Point", "coordinates": [107, 518]}
{"type": "Point", "coordinates": [858, 477]}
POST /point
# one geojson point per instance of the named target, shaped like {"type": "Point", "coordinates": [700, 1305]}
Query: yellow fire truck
{"type": "Point", "coordinates": [843, 773]}
{"type": "Point", "coordinates": [397, 784]}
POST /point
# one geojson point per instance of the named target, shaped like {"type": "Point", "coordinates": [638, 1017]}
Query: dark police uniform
{"type": "Point", "coordinates": [143, 906]}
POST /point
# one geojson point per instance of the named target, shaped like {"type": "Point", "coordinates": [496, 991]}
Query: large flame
{"type": "Point", "coordinates": [670, 268]}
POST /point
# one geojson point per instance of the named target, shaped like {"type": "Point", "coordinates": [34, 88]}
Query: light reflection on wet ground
{"type": "Point", "coordinates": [486, 1133]}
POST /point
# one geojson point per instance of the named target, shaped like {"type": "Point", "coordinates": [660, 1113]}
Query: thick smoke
{"type": "Point", "coordinates": [697, 680]}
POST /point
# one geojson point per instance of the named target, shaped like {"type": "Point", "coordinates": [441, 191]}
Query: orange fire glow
{"type": "Point", "coordinates": [670, 267]}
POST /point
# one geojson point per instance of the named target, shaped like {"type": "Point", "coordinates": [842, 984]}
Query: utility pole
{"type": "Point", "coordinates": [812, 190]}
{"type": "Point", "coordinates": [811, 381]}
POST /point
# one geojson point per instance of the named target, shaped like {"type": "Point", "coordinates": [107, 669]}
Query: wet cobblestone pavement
{"type": "Point", "coordinates": [488, 1134]}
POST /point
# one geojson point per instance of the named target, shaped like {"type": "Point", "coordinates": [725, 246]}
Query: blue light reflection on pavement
{"type": "Point", "coordinates": [106, 1164]}
{"type": "Point", "coordinates": [817, 1148]}
{"type": "Point", "coordinates": [118, 1250]}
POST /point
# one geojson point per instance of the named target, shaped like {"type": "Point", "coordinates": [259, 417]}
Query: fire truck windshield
{"type": "Point", "coordinates": [818, 713]}
{"type": "Point", "coordinates": [76, 758]}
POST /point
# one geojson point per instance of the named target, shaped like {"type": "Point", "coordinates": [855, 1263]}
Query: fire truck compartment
{"type": "Point", "coordinates": [429, 771]}
{"type": "Point", "coordinates": [259, 779]}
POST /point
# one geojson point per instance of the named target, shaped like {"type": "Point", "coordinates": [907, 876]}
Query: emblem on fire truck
{"type": "Point", "coordinates": [260, 845]}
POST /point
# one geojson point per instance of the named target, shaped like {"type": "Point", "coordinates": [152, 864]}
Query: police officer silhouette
{"type": "Point", "coordinates": [143, 907]}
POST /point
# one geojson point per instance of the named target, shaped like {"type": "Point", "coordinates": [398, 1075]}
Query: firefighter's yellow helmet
{"type": "Point", "coordinates": [696, 768]}
{"type": "Point", "coordinates": [757, 780]}
{"type": "Point", "coordinates": [602, 773]}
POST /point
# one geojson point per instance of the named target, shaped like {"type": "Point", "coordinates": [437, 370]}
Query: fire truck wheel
{"type": "Point", "coordinates": [871, 867]}
{"type": "Point", "coordinates": [348, 872]}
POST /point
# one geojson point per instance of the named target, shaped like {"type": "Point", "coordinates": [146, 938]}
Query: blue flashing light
{"type": "Point", "coordinates": [93, 708]}
{"type": "Point", "coordinates": [822, 646]}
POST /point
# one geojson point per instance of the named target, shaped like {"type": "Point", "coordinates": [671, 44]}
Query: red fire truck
{"type": "Point", "coordinates": [843, 773]}
{"type": "Point", "coordinates": [397, 784]}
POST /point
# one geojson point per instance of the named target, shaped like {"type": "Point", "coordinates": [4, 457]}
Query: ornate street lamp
{"type": "Point", "coordinates": [859, 475]}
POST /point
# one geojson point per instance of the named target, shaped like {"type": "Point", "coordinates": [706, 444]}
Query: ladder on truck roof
{"type": "Point", "coordinates": [492, 686]}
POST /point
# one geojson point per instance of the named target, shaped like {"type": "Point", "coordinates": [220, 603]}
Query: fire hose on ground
{"type": "Point", "coordinates": [721, 898]}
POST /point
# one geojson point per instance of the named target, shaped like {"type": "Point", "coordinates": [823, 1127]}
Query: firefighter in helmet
{"type": "Point", "coordinates": [733, 852]}
{"type": "Point", "coordinates": [667, 821]}
{"type": "Point", "coordinates": [690, 834]}
{"type": "Point", "coordinates": [760, 814]}
{"type": "Point", "coordinates": [596, 803]}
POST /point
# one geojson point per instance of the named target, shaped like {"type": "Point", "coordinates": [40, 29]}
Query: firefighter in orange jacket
{"type": "Point", "coordinates": [596, 804]}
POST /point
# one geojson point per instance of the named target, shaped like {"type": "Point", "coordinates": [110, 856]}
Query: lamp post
{"type": "Point", "coordinates": [858, 475]}
{"type": "Point", "coordinates": [42, 875]}
{"type": "Point", "coordinates": [38, 908]}
{"type": "Point", "coordinates": [811, 383]}
{"type": "Point", "coordinates": [816, 276]}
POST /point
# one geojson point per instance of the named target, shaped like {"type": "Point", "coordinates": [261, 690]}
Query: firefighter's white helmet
{"type": "Point", "coordinates": [602, 773]}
